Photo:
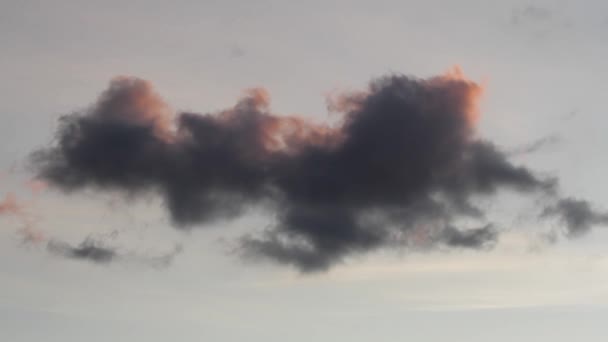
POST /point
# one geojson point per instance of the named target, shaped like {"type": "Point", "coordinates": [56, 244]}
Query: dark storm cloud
{"type": "Point", "coordinates": [577, 215]}
{"type": "Point", "coordinates": [400, 168]}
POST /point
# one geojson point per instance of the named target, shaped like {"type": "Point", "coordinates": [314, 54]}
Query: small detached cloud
{"type": "Point", "coordinates": [531, 14]}
{"type": "Point", "coordinates": [577, 215]}
{"type": "Point", "coordinates": [98, 251]}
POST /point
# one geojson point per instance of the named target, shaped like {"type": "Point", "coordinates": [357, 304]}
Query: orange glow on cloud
{"type": "Point", "coordinates": [9, 205]}
{"type": "Point", "coordinates": [470, 92]}
{"type": "Point", "coordinates": [142, 104]}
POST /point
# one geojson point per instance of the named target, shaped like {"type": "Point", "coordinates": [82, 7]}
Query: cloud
{"type": "Point", "coordinates": [27, 231]}
{"type": "Point", "coordinates": [540, 23]}
{"type": "Point", "coordinates": [401, 168]}
{"type": "Point", "coordinates": [237, 51]}
{"type": "Point", "coordinates": [97, 250]}
{"type": "Point", "coordinates": [577, 215]}
{"type": "Point", "coordinates": [9, 205]}
{"type": "Point", "coordinates": [535, 145]}
{"type": "Point", "coordinates": [531, 14]}
{"type": "Point", "coordinates": [472, 238]}
{"type": "Point", "coordinates": [89, 250]}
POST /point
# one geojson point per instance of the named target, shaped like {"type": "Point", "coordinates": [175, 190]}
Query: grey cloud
{"type": "Point", "coordinates": [577, 215]}
{"type": "Point", "coordinates": [404, 156]}
{"type": "Point", "coordinates": [97, 250]}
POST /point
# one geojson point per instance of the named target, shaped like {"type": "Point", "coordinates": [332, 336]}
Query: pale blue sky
{"type": "Point", "coordinates": [544, 64]}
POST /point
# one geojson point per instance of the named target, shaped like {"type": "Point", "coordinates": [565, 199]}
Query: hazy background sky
{"type": "Point", "coordinates": [544, 66]}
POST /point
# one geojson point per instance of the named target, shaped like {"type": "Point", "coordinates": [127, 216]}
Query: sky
{"type": "Point", "coordinates": [541, 66]}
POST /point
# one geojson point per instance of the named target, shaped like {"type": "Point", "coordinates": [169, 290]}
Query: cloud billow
{"type": "Point", "coordinates": [401, 168]}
